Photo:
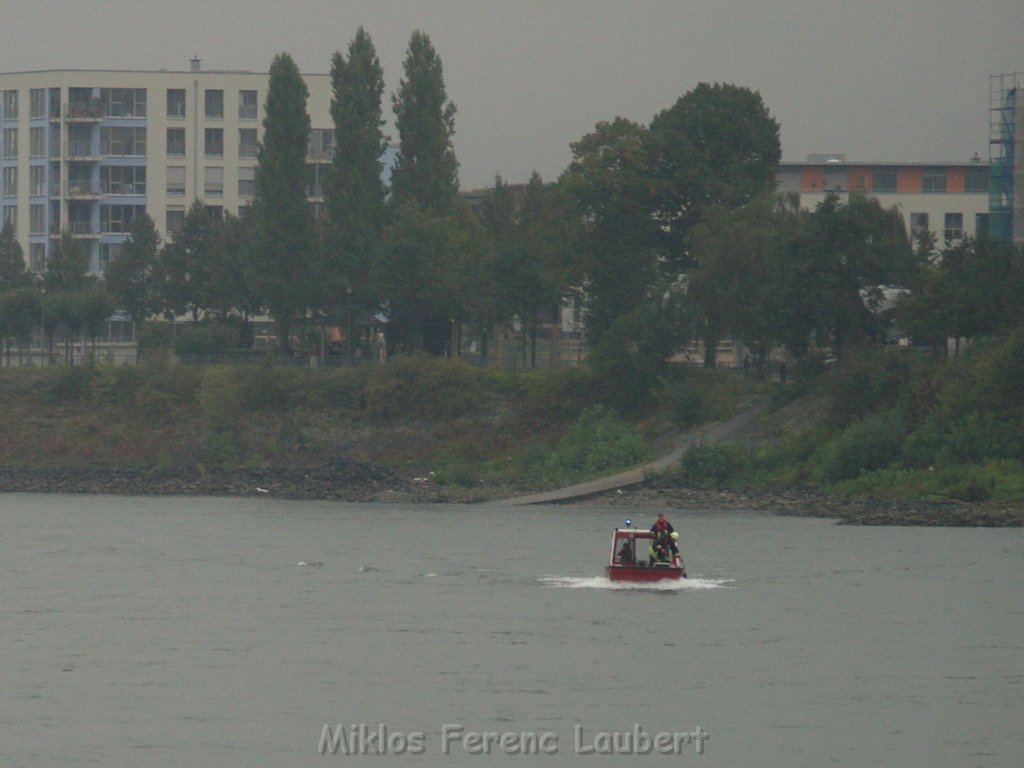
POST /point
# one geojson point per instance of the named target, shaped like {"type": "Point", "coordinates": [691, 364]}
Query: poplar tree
{"type": "Point", "coordinates": [68, 266]}
{"type": "Point", "coordinates": [282, 221]}
{"type": "Point", "coordinates": [354, 192]}
{"type": "Point", "coordinates": [426, 170]}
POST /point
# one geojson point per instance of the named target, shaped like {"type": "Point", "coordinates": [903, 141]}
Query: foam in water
{"type": "Point", "coordinates": [602, 582]}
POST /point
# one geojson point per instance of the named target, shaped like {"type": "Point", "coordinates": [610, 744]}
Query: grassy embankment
{"type": "Point", "coordinates": [887, 422]}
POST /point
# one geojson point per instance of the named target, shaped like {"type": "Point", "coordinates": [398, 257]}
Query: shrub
{"type": "Point", "coordinates": [869, 444]}
{"type": "Point", "coordinates": [598, 442]}
{"type": "Point", "coordinates": [206, 338]}
{"type": "Point", "coordinates": [424, 387]}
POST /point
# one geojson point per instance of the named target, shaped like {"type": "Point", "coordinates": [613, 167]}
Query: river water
{"type": "Point", "coordinates": [229, 632]}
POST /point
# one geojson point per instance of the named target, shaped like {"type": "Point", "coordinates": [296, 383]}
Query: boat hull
{"type": "Point", "coordinates": [638, 573]}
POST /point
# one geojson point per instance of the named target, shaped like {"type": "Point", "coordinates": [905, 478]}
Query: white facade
{"type": "Point", "coordinates": [84, 150]}
{"type": "Point", "coordinates": [949, 199]}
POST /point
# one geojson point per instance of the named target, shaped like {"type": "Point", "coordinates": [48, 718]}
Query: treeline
{"type": "Point", "coordinates": [662, 233]}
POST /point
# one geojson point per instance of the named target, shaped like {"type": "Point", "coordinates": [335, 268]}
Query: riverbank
{"type": "Point", "coordinates": [346, 480]}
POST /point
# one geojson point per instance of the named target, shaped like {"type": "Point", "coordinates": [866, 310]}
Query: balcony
{"type": "Point", "coordinates": [81, 150]}
{"type": "Point", "coordinates": [82, 190]}
{"type": "Point", "coordinates": [80, 230]}
{"type": "Point", "coordinates": [90, 111]}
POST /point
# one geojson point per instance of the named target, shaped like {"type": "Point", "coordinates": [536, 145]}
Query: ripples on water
{"type": "Point", "coordinates": [227, 632]}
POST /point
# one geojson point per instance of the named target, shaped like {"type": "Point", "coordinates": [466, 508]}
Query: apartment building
{"type": "Point", "coordinates": [87, 150]}
{"type": "Point", "coordinates": [950, 199]}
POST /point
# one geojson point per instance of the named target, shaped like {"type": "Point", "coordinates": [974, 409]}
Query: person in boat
{"type": "Point", "coordinates": [660, 551]}
{"type": "Point", "coordinates": [662, 529]}
{"type": "Point", "coordinates": [626, 555]}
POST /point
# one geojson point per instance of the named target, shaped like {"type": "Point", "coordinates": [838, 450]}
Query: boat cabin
{"type": "Point", "coordinates": [637, 556]}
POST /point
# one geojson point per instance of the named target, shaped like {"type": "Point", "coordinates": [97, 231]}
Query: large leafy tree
{"type": "Point", "coordinates": [354, 194]}
{"type": "Point", "coordinates": [283, 245]}
{"type": "Point", "coordinates": [12, 261]}
{"type": "Point", "coordinates": [975, 289]}
{"type": "Point", "coordinates": [609, 178]}
{"type": "Point", "coordinates": [432, 269]}
{"type": "Point", "coordinates": [184, 265]}
{"type": "Point", "coordinates": [229, 271]}
{"type": "Point", "coordinates": [426, 170]}
{"type": "Point", "coordinates": [131, 277]}
{"type": "Point", "coordinates": [717, 145]}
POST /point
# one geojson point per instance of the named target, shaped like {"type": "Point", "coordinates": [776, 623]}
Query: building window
{"type": "Point", "coordinates": [37, 257]}
{"type": "Point", "coordinates": [37, 102]}
{"type": "Point", "coordinates": [214, 103]}
{"type": "Point", "coordinates": [117, 219]}
{"type": "Point", "coordinates": [214, 142]}
{"type": "Point", "coordinates": [123, 102]}
{"type": "Point", "coordinates": [933, 180]}
{"type": "Point", "coordinates": [174, 220]}
{"type": "Point", "coordinates": [109, 252]}
{"type": "Point", "coordinates": [918, 224]}
{"type": "Point", "coordinates": [976, 180]}
{"type": "Point", "coordinates": [954, 229]}
{"type": "Point", "coordinates": [215, 212]}
{"type": "Point", "coordinates": [37, 142]}
{"type": "Point", "coordinates": [123, 179]}
{"type": "Point", "coordinates": [981, 226]}
{"type": "Point", "coordinates": [246, 182]}
{"type": "Point", "coordinates": [176, 102]}
{"type": "Point", "coordinates": [37, 219]}
{"type": "Point", "coordinates": [175, 181]}
{"type": "Point", "coordinates": [247, 105]}
{"type": "Point", "coordinates": [10, 143]}
{"type": "Point", "coordinates": [10, 105]}
{"type": "Point", "coordinates": [37, 180]}
{"type": "Point", "coordinates": [321, 143]}
{"type": "Point", "coordinates": [175, 142]}
{"type": "Point", "coordinates": [247, 142]}
{"type": "Point", "coordinates": [10, 182]}
{"type": "Point", "coordinates": [11, 218]}
{"type": "Point", "coordinates": [213, 181]}
{"type": "Point", "coordinates": [123, 142]}
{"type": "Point", "coordinates": [884, 181]}
{"type": "Point", "coordinates": [80, 141]}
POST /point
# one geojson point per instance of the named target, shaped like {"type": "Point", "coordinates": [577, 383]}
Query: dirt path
{"type": "Point", "coordinates": [716, 432]}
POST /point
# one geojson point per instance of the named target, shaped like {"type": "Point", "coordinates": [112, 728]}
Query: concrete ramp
{"type": "Point", "coordinates": [716, 432]}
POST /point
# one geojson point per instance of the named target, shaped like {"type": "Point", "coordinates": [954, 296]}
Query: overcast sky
{"type": "Point", "coordinates": [897, 80]}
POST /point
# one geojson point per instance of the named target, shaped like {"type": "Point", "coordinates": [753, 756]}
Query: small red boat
{"type": "Point", "coordinates": [631, 558]}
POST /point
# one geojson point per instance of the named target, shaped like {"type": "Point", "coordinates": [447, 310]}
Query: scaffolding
{"type": "Point", "coordinates": [1006, 158]}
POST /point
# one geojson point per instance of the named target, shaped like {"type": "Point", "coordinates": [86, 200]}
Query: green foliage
{"type": "Point", "coordinates": [426, 170]}
{"type": "Point", "coordinates": [600, 441]}
{"type": "Point", "coordinates": [709, 466]}
{"type": "Point", "coordinates": [865, 380]}
{"type": "Point", "coordinates": [67, 266]}
{"type": "Point", "coordinates": [871, 443]}
{"type": "Point", "coordinates": [131, 277]}
{"type": "Point", "coordinates": [999, 481]}
{"type": "Point", "coordinates": [12, 261]}
{"type": "Point", "coordinates": [207, 338]}
{"type": "Point", "coordinates": [424, 387]}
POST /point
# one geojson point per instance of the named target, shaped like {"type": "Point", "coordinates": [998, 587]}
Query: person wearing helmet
{"type": "Point", "coordinates": [663, 530]}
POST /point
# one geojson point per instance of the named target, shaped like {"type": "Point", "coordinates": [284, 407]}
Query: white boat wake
{"type": "Point", "coordinates": [601, 582]}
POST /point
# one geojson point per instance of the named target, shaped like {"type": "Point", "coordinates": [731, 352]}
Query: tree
{"type": "Point", "coordinates": [717, 145]}
{"type": "Point", "coordinates": [20, 312]}
{"type": "Point", "coordinates": [426, 170]}
{"type": "Point", "coordinates": [282, 222]}
{"type": "Point", "coordinates": [354, 192]}
{"type": "Point", "coordinates": [976, 288]}
{"type": "Point", "coordinates": [12, 261]}
{"type": "Point", "coordinates": [184, 265]}
{"type": "Point", "coordinates": [431, 271]}
{"type": "Point", "coordinates": [609, 178]}
{"type": "Point", "coordinates": [229, 275]}
{"type": "Point", "coordinates": [131, 277]}
{"type": "Point", "coordinates": [827, 285]}
{"type": "Point", "coordinates": [734, 250]}
{"type": "Point", "coordinates": [68, 265]}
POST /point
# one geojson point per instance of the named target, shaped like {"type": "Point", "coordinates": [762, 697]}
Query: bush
{"type": "Point", "coordinates": [708, 466]}
{"type": "Point", "coordinates": [206, 338]}
{"type": "Point", "coordinates": [600, 441]}
{"type": "Point", "coordinates": [424, 387]}
{"type": "Point", "coordinates": [869, 444]}
{"type": "Point", "coordinates": [865, 380]}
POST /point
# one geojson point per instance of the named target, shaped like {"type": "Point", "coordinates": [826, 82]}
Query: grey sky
{"type": "Point", "coordinates": [897, 80]}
